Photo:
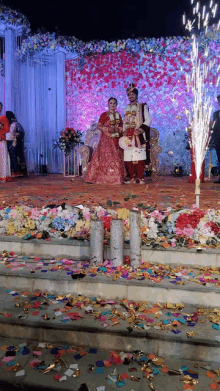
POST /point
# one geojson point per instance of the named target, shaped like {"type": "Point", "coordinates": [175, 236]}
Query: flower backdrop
{"type": "Point", "coordinates": [158, 68]}
{"type": "Point", "coordinates": [103, 69]}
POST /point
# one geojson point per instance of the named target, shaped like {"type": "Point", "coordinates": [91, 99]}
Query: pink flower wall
{"type": "Point", "coordinates": [161, 82]}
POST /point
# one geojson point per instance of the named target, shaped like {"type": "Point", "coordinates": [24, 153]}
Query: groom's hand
{"type": "Point", "coordinates": [137, 132]}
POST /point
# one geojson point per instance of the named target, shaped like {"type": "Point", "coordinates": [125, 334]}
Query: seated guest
{"type": "Point", "coordinates": [5, 172]}
{"type": "Point", "coordinates": [107, 166]}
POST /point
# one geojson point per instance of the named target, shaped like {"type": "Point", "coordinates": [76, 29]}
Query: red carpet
{"type": "Point", "coordinates": [169, 191]}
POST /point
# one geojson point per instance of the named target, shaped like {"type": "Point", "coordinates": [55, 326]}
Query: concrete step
{"type": "Point", "coordinates": [52, 276]}
{"type": "Point", "coordinates": [35, 379]}
{"type": "Point", "coordinates": [76, 327]}
{"type": "Point", "coordinates": [81, 250]}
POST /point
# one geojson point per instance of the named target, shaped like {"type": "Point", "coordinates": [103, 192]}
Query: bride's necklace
{"type": "Point", "coordinates": [113, 116]}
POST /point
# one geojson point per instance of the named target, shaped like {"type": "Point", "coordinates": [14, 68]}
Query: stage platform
{"type": "Point", "coordinates": [169, 191]}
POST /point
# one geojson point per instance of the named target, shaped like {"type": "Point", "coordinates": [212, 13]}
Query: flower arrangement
{"type": "Point", "coordinates": [68, 139]}
{"type": "Point", "coordinates": [10, 16]}
{"type": "Point", "coordinates": [167, 228]}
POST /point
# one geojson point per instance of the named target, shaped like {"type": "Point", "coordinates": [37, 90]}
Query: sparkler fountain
{"type": "Point", "coordinates": [197, 82]}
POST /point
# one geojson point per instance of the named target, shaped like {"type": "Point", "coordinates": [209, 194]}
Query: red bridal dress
{"type": "Point", "coordinates": [107, 165]}
{"type": "Point", "coordinates": [192, 177]}
{"type": "Point", "coordinates": [5, 171]}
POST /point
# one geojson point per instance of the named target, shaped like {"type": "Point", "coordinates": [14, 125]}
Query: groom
{"type": "Point", "coordinates": [136, 126]}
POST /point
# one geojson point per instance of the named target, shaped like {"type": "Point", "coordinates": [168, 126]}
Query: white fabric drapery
{"type": "Point", "coordinates": [35, 102]}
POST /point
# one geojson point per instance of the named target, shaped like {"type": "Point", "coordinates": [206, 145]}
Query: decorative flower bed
{"type": "Point", "coordinates": [169, 228]}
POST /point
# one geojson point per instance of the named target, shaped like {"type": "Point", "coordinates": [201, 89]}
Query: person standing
{"type": "Point", "coordinates": [216, 136]}
{"type": "Point", "coordinates": [5, 172]}
{"type": "Point", "coordinates": [22, 168]}
{"type": "Point", "coordinates": [136, 127]}
{"type": "Point", "coordinates": [12, 143]}
{"type": "Point", "coordinates": [107, 165]}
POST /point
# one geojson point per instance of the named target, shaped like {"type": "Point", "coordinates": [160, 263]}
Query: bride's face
{"type": "Point", "coordinates": [112, 105]}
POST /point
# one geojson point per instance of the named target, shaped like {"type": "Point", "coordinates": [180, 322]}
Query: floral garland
{"type": "Point", "coordinates": [68, 139]}
{"type": "Point", "coordinates": [169, 228]}
{"type": "Point", "coordinates": [160, 46]}
{"type": "Point", "coordinates": [40, 41]}
{"type": "Point", "coordinates": [10, 16]}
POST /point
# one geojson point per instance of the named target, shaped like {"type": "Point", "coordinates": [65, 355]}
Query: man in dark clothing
{"type": "Point", "coordinates": [216, 135]}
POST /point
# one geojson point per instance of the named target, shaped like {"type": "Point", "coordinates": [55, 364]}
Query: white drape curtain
{"type": "Point", "coordinates": [35, 102]}
{"type": "Point", "coordinates": [2, 90]}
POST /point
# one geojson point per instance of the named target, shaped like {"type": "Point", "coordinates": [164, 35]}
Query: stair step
{"type": "Point", "coordinates": [80, 249]}
{"type": "Point", "coordinates": [91, 332]}
{"type": "Point", "coordinates": [34, 379]}
{"type": "Point", "coordinates": [60, 281]}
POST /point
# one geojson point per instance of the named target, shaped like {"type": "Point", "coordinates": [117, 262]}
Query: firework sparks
{"type": "Point", "coordinates": [197, 81]}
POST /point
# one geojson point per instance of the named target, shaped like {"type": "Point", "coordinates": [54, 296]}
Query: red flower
{"type": "Point", "coordinates": [190, 220]}
{"type": "Point", "coordinates": [127, 260]}
{"type": "Point", "coordinates": [107, 222]}
{"type": "Point", "coordinates": [214, 227]}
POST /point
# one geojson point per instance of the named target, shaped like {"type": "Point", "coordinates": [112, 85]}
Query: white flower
{"type": "Point", "coordinates": [152, 234]}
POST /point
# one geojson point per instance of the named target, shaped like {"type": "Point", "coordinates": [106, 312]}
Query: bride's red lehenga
{"type": "Point", "coordinates": [107, 165]}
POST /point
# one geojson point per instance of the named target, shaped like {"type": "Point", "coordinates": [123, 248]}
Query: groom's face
{"type": "Point", "coordinates": [132, 97]}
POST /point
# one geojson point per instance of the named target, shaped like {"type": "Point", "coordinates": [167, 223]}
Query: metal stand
{"type": "Point", "coordinates": [197, 191]}
{"type": "Point", "coordinates": [71, 163]}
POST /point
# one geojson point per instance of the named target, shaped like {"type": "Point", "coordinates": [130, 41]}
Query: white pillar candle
{"type": "Point", "coordinates": [135, 238]}
{"type": "Point", "coordinates": [117, 241]}
{"type": "Point", "coordinates": [96, 242]}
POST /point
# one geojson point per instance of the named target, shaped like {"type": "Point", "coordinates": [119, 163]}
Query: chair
{"type": "Point", "coordinates": [92, 139]}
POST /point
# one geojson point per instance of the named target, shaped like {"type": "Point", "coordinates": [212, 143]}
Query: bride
{"type": "Point", "coordinates": [107, 165]}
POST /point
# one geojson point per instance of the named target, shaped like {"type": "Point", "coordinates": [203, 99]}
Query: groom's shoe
{"type": "Point", "coordinates": [217, 181]}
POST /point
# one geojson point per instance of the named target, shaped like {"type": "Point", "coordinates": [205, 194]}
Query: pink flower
{"type": "Point", "coordinates": [157, 215]}
{"type": "Point", "coordinates": [86, 216]}
{"type": "Point", "coordinates": [188, 231]}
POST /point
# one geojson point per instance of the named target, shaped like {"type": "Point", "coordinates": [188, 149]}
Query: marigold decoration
{"type": "Point", "coordinates": [68, 139]}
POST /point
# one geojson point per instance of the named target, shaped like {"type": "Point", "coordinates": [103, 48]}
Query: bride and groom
{"type": "Point", "coordinates": [124, 146]}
